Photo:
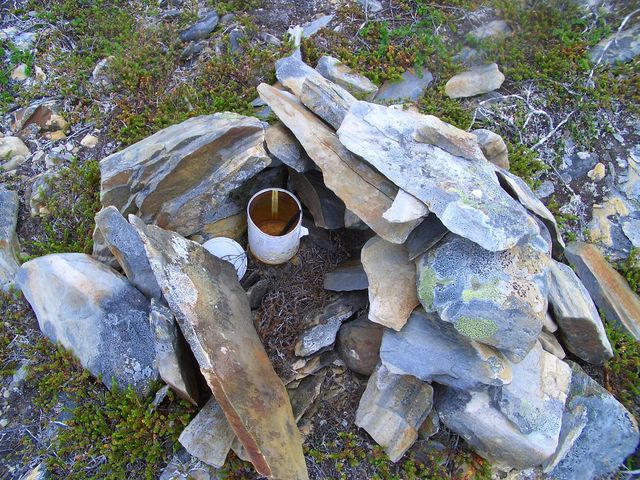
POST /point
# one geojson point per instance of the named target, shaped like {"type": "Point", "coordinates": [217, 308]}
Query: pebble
{"type": "Point", "coordinates": [19, 74]}
{"type": "Point", "coordinates": [598, 172]}
{"type": "Point", "coordinates": [89, 141]}
{"type": "Point", "coordinates": [4, 422]}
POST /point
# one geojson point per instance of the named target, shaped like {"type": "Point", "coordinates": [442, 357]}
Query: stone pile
{"type": "Point", "coordinates": [457, 308]}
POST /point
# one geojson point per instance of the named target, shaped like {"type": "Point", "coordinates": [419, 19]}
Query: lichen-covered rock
{"type": "Point", "coordinates": [462, 193]}
{"type": "Point", "coordinates": [96, 313]}
{"type": "Point", "coordinates": [433, 350]}
{"type": "Point", "coordinates": [392, 409]}
{"type": "Point", "coordinates": [8, 238]}
{"type": "Point", "coordinates": [326, 99]}
{"type": "Point", "coordinates": [478, 80]}
{"type": "Point", "coordinates": [358, 344]}
{"type": "Point", "coordinates": [496, 298]}
{"type": "Point", "coordinates": [336, 71]}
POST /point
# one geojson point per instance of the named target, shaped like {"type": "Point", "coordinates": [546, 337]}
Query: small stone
{"type": "Point", "coordinates": [11, 147]}
{"type": "Point", "coordinates": [545, 190]}
{"type": "Point", "coordinates": [311, 28]}
{"type": "Point", "coordinates": [202, 28]}
{"type": "Point", "coordinates": [55, 136]}
{"type": "Point", "coordinates": [256, 292]}
{"type": "Point", "coordinates": [4, 422]}
{"type": "Point", "coordinates": [493, 147]}
{"type": "Point", "coordinates": [411, 86]}
{"type": "Point", "coordinates": [493, 29]}
{"type": "Point", "coordinates": [597, 173]}
{"type": "Point", "coordinates": [347, 277]}
{"type": "Point", "coordinates": [303, 396]}
{"type": "Point", "coordinates": [550, 344]}
{"type": "Point", "coordinates": [337, 72]}
{"type": "Point", "coordinates": [101, 76]}
{"type": "Point", "coordinates": [39, 74]}
{"type": "Point", "coordinates": [19, 73]}
{"type": "Point", "coordinates": [89, 141]}
{"type": "Point", "coordinates": [359, 344]}
{"type": "Point", "coordinates": [478, 80]}
{"type": "Point", "coordinates": [405, 208]}
{"type": "Point", "coordinates": [372, 6]}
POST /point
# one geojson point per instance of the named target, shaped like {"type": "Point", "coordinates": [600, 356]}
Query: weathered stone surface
{"type": "Point", "coordinates": [425, 236]}
{"type": "Point", "coordinates": [125, 245]}
{"type": "Point", "coordinates": [608, 289]}
{"type": "Point", "coordinates": [451, 139]}
{"type": "Point", "coordinates": [582, 329]}
{"type": "Point", "coordinates": [233, 227]}
{"type": "Point", "coordinates": [620, 47]}
{"type": "Point", "coordinates": [347, 277]}
{"type": "Point", "coordinates": [321, 326]}
{"type": "Point", "coordinates": [291, 72]}
{"type": "Point", "coordinates": [334, 70]}
{"type": "Point", "coordinates": [11, 147]}
{"type": "Point", "coordinates": [405, 208]}
{"type": "Point", "coordinates": [522, 193]}
{"type": "Point", "coordinates": [256, 292]}
{"type": "Point", "coordinates": [359, 344]}
{"type": "Point", "coordinates": [201, 29]}
{"type": "Point", "coordinates": [181, 177]}
{"type": "Point", "coordinates": [433, 350]}
{"type": "Point", "coordinates": [496, 298]}
{"type": "Point", "coordinates": [392, 409]}
{"type": "Point", "coordinates": [214, 315]}
{"type": "Point", "coordinates": [94, 312]}
{"type": "Point", "coordinates": [549, 324]}
{"type": "Point", "coordinates": [462, 193]}
{"type": "Point", "coordinates": [173, 357]}
{"type": "Point", "coordinates": [326, 99]}
{"type": "Point", "coordinates": [391, 276]}
{"type": "Point", "coordinates": [493, 29]}
{"type": "Point", "coordinates": [8, 239]}
{"type": "Point", "coordinates": [208, 437]}
{"type": "Point", "coordinates": [283, 145]}
{"type": "Point", "coordinates": [535, 399]}
{"type": "Point", "coordinates": [303, 396]}
{"type": "Point", "coordinates": [608, 436]}
{"type": "Point", "coordinates": [326, 208]}
{"type": "Point", "coordinates": [363, 190]}
{"type": "Point", "coordinates": [478, 80]}
{"type": "Point", "coordinates": [410, 87]}
{"type": "Point", "coordinates": [491, 434]}
{"type": "Point", "coordinates": [314, 26]}
{"type": "Point", "coordinates": [550, 344]}
{"type": "Point", "coordinates": [493, 147]}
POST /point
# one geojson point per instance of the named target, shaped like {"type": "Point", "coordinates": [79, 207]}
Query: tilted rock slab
{"type": "Point", "coordinates": [462, 193]}
{"type": "Point", "coordinates": [609, 290]}
{"type": "Point", "coordinates": [432, 350]}
{"type": "Point", "coordinates": [325, 207]}
{"type": "Point", "coordinates": [180, 178]}
{"type": "Point", "coordinates": [283, 145]}
{"type": "Point", "coordinates": [329, 101]}
{"type": "Point", "coordinates": [96, 313]}
{"type": "Point", "coordinates": [496, 298]}
{"type": "Point", "coordinates": [214, 315]}
{"type": "Point", "coordinates": [452, 139]}
{"type": "Point", "coordinates": [391, 276]}
{"type": "Point", "coordinates": [392, 409]}
{"type": "Point", "coordinates": [8, 238]}
{"type": "Point", "coordinates": [355, 83]}
{"type": "Point", "coordinates": [582, 329]}
{"type": "Point", "coordinates": [291, 71]}
{"type": "Point", "coordinates": [405, 208]}
{"type": "Point", "coordinates": [493, 147]}
{"type": "Point", "coordinates": [363, 190]}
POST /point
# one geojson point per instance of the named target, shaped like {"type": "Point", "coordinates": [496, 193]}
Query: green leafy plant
{"type": "Point", "coordinates": [630, 269]}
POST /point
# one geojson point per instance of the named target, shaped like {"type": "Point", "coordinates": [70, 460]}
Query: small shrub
{"type": "Point", "coordinates": [630, 269]}
{"type": "Point", "coordinates": [525, 163]}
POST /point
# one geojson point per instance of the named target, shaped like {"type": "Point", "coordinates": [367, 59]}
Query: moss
{"type": "Point", "coordinates": [525, 163]}
{"type": "Point", "coordinates": [426, 287]}
{"type": "Point", "coordinates": [436, 102]}
{"type": "Point", "coordinates": [476, 328]}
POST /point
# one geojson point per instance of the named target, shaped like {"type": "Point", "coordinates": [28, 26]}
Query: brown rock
{"type": "Point", "coordinates": [359, 344]}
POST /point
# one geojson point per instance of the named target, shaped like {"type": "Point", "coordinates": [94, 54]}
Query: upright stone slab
{"type": "Point", "coordinates": [326, 208]}
{"type": "Point", "coordinates": [8, 238]}
{"type": "Point", "coordinates": [283, 145]}
{"type": "Point", "coordinates": [214, 314]}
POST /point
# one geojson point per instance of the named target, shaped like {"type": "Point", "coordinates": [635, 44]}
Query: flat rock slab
{"type": "Point", "coordinates": [326, 99]}
{"type": "Point", "coordinates": [347, 277]}
{"type": "Point", "coordinates": [8, 238]}
{"type": "Point", "coordinates": [214, 315]}
{"type": "Point", "coordinates": [425, 236]}
{"type": "Point", "coordinates": [410, 86]}
{"type": "Point", "coordinates": [201, 29]}
{"type": "Point", "coordinates": [478, 80]}
{"type": "Point", "coordinates": [582, 329]}
{"type": "Point", "coordinates": [392, 409]}
{"type": "Point", "coordinates": [607, 436]}
{"type": "Point", "coordinates": [391, 276]}
{"type": "Point", "coordinates": [433, 350]}
{"type": "Point", "coordinates": [496, 298]}
{"type": "Point", "coordinates": [96, 313]}
{"type": "Point", "coordinates": [283, 145]}
{"type": "Point", "coordinates": [363, 190]}
{"type": "Point", "coordinates": [608, 289]}
{"type": "Point", "coordinates": [208, 437]}
{"type": "Point", "coordinates": [291, 72]}
{"type": "Point", "coordinates": [181, 178]}
{"type": "Point", "coordinates": [461, 192]}
{"type": "Point", "coordinates": [355, 83]}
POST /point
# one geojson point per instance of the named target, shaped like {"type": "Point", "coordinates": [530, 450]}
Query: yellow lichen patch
{"type": "Point", "coordinates": [600, 225]}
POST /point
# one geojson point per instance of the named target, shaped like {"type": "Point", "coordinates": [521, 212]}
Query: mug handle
{"type": "Point", "coordinates": [304, 231]}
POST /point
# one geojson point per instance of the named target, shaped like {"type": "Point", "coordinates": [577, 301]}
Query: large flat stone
{"type": "Point", "coordinates": [364, 191]}
{"type": "Point", "coordinates": [496, 298]}
{"type": "Point", "coordinates": [214, 315]}
{"type": "Point", "coordinates": [582, 329]}
{"type": "Point", "coordinates": [461, 192]}
{"type": "Point", "coordinates": [8, 239]}
{"type": "Point", "coordinates": [96, 313]}
{"type": "Point", "coordinates": [608, 289]}
{"type": "Point", "coordinates": [433, 350]}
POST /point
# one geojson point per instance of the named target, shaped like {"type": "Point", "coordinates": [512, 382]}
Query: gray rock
{"type": "Point", "coordinates": [496, 298]}
{"type": "Point", "coordinates": [192, 50]}
{"type": "Point", "coordinates": [303, 396]}
{"type": "Point", "coordinates": [391, 276]}
{"type": "Point", "coordinates": [321, 326]}
{"type": "Point", "coordinates": [359, 344]}
{"type": "Point", "coordinates": [468, 56]}
{"type": "Point", "coordinates": [101, 75]}
{"type": "Point", "coordinates": [535, 399]}
{"type": "Point", "coordinates": [492, 435]}
{"type": "Point", "coordinates": [326, 208]}
{"type": "Point", "coordinates": [313, 27]}
{"type": "Point", "coordinates": [94, 312]}
{"type": "Point", "coordinates": [183, 177]}
{"type": "Point", "coordinates": [432, 350]}
{"type": "Point", "coordinates": [545, 190]}
{"type": "Point", "coordinates": [174, 359]}
{"type": "Point", "coordinates": [202, 28]}
{"type": "Point", "coordinates": [549, 324]}
{"type": "Point", "coordinates": [411, 86]}
{"type": "Point", "coordinates": [347, 277]}
{"type": "Point", "coordinates": [620, 47]}
{"type": "Point", "coordinates": [214, 315]}
{"type": "Point", "coordinates": [334, 70]}
{"type": "Point", "coordinates": [425, 236]}
{"type": "Point", "coordinates": [632, 230]}
{"type": "Point", "coordinates": [292, 72]}
{"type": "Point", "coordinates": [125, 245]}
{"type": "Point", "coordinates": [392, 409]}
{"type": "Point", "coordinates": [326, 99]}
{"type": "Point", "coordinates": [451, 139]}
{"type": "Point", "coordinates": [282, 144]}
{"type": "Point", "coordinates": [373, 6]}
{"type": "Point", "coordinates": [550, 344]}
{"type": "Point", "coordinates": [493, 147]}
{"type": "Point", "coordinates": [256, 293]}
{"type": "Point", "coordinates": [208, 437]}
{"type": "Point", "coordinates": [493, 29]}
{"type": "Point", "coordinates": [608, 289]}
{"type": "Point", "coordinates": [582, 329]}
{"type": "Point", "coordinates": [462, 193]}
{"type": "Point", "coordinates": [608, 436]}
{"type": "Point", "coordinates": [478, 80]}
{"type": "Point", "coordinates": [9, 246]}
